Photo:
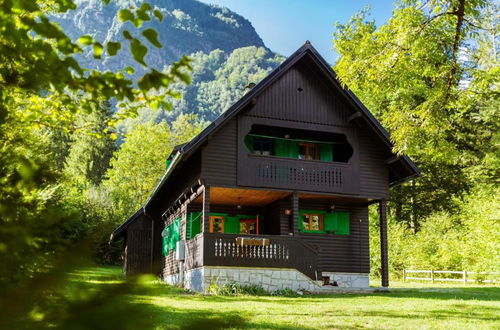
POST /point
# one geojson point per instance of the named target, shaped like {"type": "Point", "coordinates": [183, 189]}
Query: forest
{"type": "Point", "coordinates": [82, 146]}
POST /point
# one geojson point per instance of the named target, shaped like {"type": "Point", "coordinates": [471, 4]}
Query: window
{"type": "Point", "coordinates": [249, 226]}
{"type": "Point", "coordinates": [311, 221]}
{"type": "Point", "coordinates": [216, 224]}
{"type": "Point", "coordinates": [263, 146]}
{"type": "Point", "coordinates": [308, 151]}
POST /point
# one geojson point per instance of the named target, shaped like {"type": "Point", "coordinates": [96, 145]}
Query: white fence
{"type": "Point", "coordinates": [456, 276]}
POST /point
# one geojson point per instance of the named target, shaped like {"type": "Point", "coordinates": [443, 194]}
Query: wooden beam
{"type": "Point", "coordinates": [391, 160]}
{"type": "Point", "coordinates": [206, 209]}
{"type": "Point", "coordinates": [382, 209]}
{"type": "Point", "coordinates": [295, 213]}
{"type": "Point", "coordinates": [355, 115]}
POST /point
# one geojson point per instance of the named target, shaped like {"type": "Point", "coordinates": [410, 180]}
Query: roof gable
{"type": "Point", "coordinates": [406, 169]}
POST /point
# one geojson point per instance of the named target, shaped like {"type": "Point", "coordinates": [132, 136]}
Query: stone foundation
{"type": "Point", "coordinates": [271, 279]}
{"type": "Point", "coordinates": [349, 280]}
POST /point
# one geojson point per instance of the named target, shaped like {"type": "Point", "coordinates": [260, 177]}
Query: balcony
{"type": "Point", "coordinates": [296, 174]}
{"type": "Point", "coordinates": [213, 249]}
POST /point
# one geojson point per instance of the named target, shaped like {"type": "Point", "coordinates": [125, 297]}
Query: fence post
{"type": "Point", "coordinates": [432, 275]}
{"type": "Point", "coordinates": [465, 277]}
{"type": "Point", "coordinates": [404, 275]}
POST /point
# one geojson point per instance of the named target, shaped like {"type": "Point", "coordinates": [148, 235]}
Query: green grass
{"type": "Point", "coordinates": [427, 306]}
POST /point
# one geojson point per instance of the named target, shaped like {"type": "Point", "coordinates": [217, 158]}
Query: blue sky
{"type": "Point", "coordinates": [284, 25]}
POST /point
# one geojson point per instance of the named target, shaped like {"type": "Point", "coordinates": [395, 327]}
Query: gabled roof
{"type": "Point", "coordinates": [307, 50]}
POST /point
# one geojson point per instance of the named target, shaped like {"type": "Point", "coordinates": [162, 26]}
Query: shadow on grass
{"type": "Point", "coordinates": [201, 319]}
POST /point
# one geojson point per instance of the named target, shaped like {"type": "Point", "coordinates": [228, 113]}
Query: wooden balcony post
{"type": "Point", "coordinates": [295, 212]}
{"type": "Point", "coordinates": [382, 209]}
{"type": "Point", "coordinates": [206, 209]}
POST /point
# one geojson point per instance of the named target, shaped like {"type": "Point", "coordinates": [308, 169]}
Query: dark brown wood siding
{"type": "Point", "coordinates": [170, 265]}
{"type": "Point", "coordinates": [373, 173]}
{"type": "Point", "coordinates": [181, 180]}
{"type": "Point", "coordinates": [338, 253]}
{"type": "Point", "coordinates": [138, 246]}
{"type": "Point", "coordinates": [302, 95]}
{"type": "Point", "coordinates": [219, 156]}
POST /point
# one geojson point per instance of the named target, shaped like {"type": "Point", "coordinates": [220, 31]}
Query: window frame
{"type": "Point", "coordinates": [263, 142]}
{"type": "Point", "coordinates": [308, 145]}
{"type": "Point", "coordinates": [255, 221]}
{"type": "Point", "coordinates": [211, 223]}
{"type": "Point", "coordinates": [321, 213]}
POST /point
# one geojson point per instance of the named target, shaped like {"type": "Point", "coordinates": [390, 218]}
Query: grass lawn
{"type": "Point", "coordinates": [428, 306]}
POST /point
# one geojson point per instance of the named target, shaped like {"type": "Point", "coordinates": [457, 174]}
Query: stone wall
{"type": "Point", "coordinates": [271, 279]}
{"type": "Point", "coordinates": [349, 280]}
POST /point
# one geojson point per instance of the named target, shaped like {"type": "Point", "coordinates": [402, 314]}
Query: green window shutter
{"type": "Point", "coordinates": [232, 225]}
{"type": "Point", "coordinates": [341, 223]}
{"type": "Point", "coordinates": [194, 224]}
{"type": "Point", "coordinates": [325, 152]}
{"type": "Point", "coordinates": [281, 148]}
{"type": "Point", "coordinates": [330, 221]}
{"type": "Point", "coordinates": [249, 142]}
{"type": "Point", "coordinates": [166, 241]}
{"type": "Point", "coordinates": [293, 149]}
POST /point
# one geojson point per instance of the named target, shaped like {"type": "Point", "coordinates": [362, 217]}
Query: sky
{"type": "Point", "coordinates": [284, 25]}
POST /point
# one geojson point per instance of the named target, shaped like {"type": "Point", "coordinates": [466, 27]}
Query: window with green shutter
{"type": "Point", "coordinates": [171, 235]}
{"type": "Point", "coordinates": [325, 152]}
{"type": "Point", "coordinates": [193, 225]}
{"type": "Point", "coordinates": [312, 221]}
{"type": "Point", "coordinates": [338, 223]}
{"type": "Point", "coordinates": [232, 225]}
{"type": "Point", "coordinates": [281, 148]}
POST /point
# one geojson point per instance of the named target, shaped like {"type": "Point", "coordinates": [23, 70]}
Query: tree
{"type": "Point", "coordinates": [420, 74]}
{"type": "Point", "coordinates": [43, 86]}
{"type": "Point", "coordinates": [92, 148]}
{"type": "Point", "coordinates": [139, 164]}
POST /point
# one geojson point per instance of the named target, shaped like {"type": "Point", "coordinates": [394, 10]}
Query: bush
{"type": "Point", "coordinates": [236, 289]}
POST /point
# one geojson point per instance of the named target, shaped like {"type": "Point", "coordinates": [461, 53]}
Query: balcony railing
{"type": "Point", "coordinates": [281, 252]}
{"type": "Point", "coordinates": [276, 172]}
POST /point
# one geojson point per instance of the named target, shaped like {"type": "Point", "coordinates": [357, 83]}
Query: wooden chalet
{"type": "Point", "coordinates": [275, 192]}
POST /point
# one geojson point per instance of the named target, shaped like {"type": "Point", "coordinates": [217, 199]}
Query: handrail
{"type": "Point", "coordinates": [284, 251]}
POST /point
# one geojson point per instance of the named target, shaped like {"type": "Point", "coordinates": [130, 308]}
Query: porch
{"type": "Point", "coordinates": [235, 227]}
{"type": "Point", "coordinates": [231, 250]}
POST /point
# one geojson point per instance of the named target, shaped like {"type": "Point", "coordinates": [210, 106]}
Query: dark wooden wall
{"type": "Point", "coordinates": [343, 253]}
{"type": "Point", "coordinates": [177, 184]}
{"type": "Point", "coordinates": [138, 246]}
{"type": "Point", "coordinates": [170, 265]}
{"type": "Point", "coordinates": [337, 253]}
{"type": "Point", "coordinates": [319, 104]}
{"type": "Point", "coordinates": [219, 156]}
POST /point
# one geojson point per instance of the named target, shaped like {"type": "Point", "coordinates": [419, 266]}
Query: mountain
{"type": "Point", "coordinates": [227, 52]}
{"type": "Point", "coordinates": [188, 26]}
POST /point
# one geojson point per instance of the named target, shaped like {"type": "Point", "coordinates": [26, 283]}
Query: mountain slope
{"type": "Point", "coordinates": [189, 26]}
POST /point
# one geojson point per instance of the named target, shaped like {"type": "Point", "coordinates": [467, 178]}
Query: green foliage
{"type": "Point", "coordinates": [463, 240]}
{"type": "Point", "coordinates": [49, 103]}
{"type": "Point", "coordinates": [218, 80]}
{"type": "Point", "coordinates": [430, 74]}
{"type": "Point", "coordinates": [91, 149]}
{"type": "Point", "coordinates": [131, 181]}
{"type": "Point", "coordinates": [236, 289]}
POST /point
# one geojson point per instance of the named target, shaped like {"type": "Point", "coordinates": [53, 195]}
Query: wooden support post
{"type": "Point", "coordinates": [206, 209]}
{"type": "Point", "coordinates": [465, 277]}
{"type": "Point", "coordinates": [383, 242]}
{"type": "Point", "coordinates": [432, 275]}
{"type": "Point", "coordinates": [404, 275]}
{"type": "Point", "coordinates": [295, 212]}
